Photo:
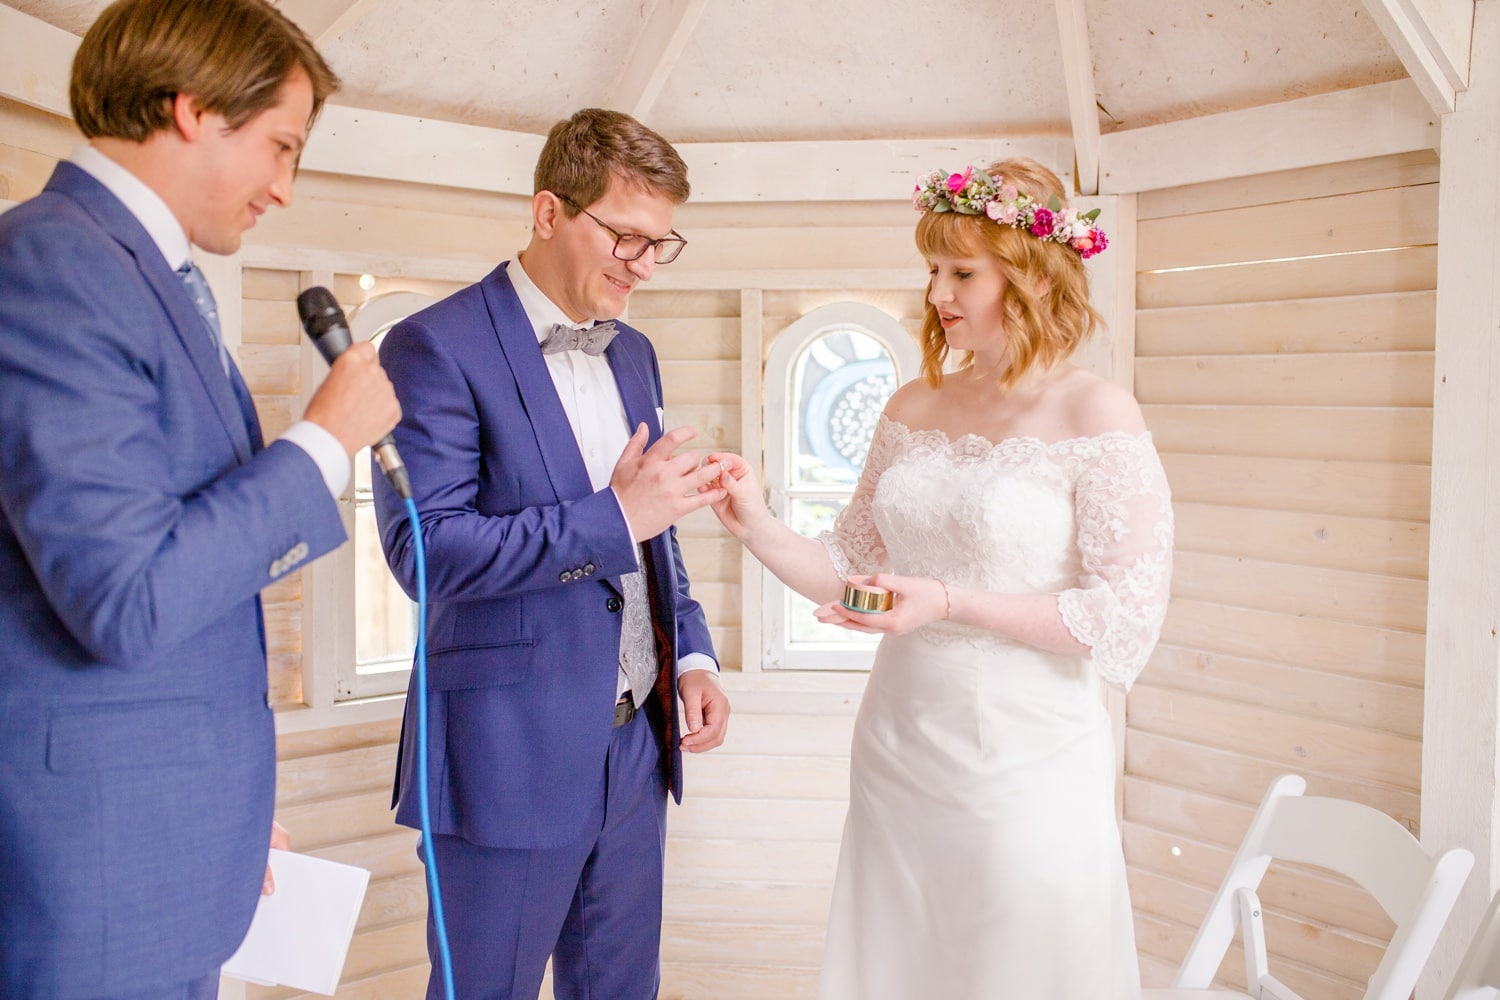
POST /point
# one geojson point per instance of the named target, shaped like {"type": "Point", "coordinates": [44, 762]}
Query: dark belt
{"type": "Point", "coordinates": [624, 710]}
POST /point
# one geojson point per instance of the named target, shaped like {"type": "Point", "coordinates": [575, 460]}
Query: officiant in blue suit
{"type": "Point", "coordinates": [561, 628]}
{"type": "Point", "coordinates": [140, 513]}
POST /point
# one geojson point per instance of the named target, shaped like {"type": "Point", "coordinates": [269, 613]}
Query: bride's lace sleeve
{"type": "Point", "coordinates": [1124, 518]}
{"type": "Point", "coordinates": [854, 544]}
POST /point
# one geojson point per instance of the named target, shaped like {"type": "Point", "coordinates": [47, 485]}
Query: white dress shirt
{"type": "Point", "coordinates": [591, 398]}
{"type": "Point", "coordinates": [166, 232]}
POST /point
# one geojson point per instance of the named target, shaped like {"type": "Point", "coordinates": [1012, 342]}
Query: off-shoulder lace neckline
{"type": "Point", "coordinates": [1015, 440]}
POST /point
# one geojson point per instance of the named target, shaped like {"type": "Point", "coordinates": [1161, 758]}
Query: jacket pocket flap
{"type": "Point", "coordinates": [458, 670]}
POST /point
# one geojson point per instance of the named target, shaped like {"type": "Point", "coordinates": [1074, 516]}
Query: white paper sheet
{"type": "Point", "coordinates": [301, 932]}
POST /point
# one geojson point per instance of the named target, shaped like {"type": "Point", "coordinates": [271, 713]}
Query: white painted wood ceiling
{"type": "Point", "coordinates": [832, 99]}
{"type": "Point", "coordinates": [765, 70]}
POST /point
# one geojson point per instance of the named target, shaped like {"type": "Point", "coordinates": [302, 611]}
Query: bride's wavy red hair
{"type": "Point", "coordinates": [1046, 299]}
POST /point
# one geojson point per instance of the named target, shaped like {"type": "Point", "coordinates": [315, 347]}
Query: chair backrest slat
{"type": "Point", "coordinates": [1416, 889]}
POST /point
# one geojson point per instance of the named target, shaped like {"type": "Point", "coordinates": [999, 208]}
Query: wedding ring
{"type": "Point", "coordinates": [867, 598]}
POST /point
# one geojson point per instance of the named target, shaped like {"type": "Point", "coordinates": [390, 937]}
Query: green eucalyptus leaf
{"type": "Point", "coordinates": [1054, 204]}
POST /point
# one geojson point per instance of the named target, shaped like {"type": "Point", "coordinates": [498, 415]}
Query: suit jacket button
{"type": "Point", "coordinates": [588, 569]}
{"type": "Point", "coordinates": [614, 604]}
{"type": "Point", "coordinates": [564, 576]}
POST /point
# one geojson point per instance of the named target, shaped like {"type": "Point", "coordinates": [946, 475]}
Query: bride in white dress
{"type": "Point", "coordinates": [1018, 512]}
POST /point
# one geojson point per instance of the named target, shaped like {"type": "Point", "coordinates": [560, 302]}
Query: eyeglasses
{"type": "Point", "coordinates": [633, 246]}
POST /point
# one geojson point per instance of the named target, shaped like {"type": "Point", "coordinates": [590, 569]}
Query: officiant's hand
{"type": "Point", "coordinates": [917, 601]}
{"type": "Point", "coordinates": [281, 841]}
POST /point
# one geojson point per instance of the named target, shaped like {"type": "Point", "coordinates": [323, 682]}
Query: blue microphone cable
{"type": "Point", "coordinates": [434, 890]}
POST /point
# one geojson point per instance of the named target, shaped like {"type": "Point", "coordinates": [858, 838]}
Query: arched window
{"type": "Point", "coordinates": [827, 379]}
{"type": "Point", "coordinates": [385, 619]}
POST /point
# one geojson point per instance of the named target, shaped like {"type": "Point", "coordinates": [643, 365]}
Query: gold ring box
{"type": "Point", "coordinates": [871, 600]}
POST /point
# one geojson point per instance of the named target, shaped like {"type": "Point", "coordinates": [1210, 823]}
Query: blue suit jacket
{"type": "Point", "coordinates": [523, 561]}
{"type": "Point", "coordinates": [139, 519]}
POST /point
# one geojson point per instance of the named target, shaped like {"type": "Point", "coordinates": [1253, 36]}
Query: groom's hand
{"type": "Point", "coordinates": [656, 488]}
{"type": "Point", "coordinates": [705, 710]}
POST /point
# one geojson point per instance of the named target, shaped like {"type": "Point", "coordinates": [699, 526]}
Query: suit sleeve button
{"type": "Point", "coordinates": [614, 604]}
{"type": "Point", "coordinates": [564, 576]}
{"type": "Point", "coordinates": [588, 569]}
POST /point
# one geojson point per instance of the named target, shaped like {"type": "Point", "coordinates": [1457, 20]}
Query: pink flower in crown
{"type": "Point", "coordinates": [1083, 244]}
{"type": "Point", "coordinates": [1008, 191]}
{"type": "Point", "coordinates": [1008, 215]}
{"type": "Point", "coordinates": [957, 182]}
{"type": "Point", "coordinates": [994, 210]}
{"type": "Point", "coordinates": [1041, 222]}
{"type": "Point", "coordinates": [1098, 244]}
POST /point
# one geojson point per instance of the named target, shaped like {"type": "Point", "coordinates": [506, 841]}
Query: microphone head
{"type": "Point", "coordinates": [324, 322]}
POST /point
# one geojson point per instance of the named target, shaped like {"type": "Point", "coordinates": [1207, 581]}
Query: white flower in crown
{"type": "Point", "coordinates": [974, 192]}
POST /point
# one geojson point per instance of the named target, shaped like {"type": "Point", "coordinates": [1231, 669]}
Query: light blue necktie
{"type": "Point", "coordinates": [203, 300]}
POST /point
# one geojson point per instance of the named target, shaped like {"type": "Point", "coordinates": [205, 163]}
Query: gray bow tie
{"type": "Point", "coordinates": [592, 341]}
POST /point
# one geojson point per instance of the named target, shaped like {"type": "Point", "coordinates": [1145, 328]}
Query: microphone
{"type": "Point", "coordinates": [325, 324]}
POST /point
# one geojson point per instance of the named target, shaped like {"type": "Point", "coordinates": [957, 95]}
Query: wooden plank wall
{"type": "Point", "coordinates": [1284, 341]}
{"type": "Point", "coordinates": [333, 794]}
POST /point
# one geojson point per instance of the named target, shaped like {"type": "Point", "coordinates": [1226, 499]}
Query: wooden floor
{"type": "Point", "coordinates": [750, 853]}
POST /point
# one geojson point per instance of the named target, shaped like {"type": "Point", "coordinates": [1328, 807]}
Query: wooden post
{"type": "Point", "coordinates": [752, 332]}
{"type": "Point", "coordinates": [327, 583]}
{"type": "Point", "coordinates": [1111, 354]}
{"type": "Point", "coordinates": [1462, 708]}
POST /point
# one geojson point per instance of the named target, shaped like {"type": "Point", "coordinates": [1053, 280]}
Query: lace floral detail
{"type": "Point", "coordinates": [1086, 519]}
{"type": "Point", "coordinates": [1124, 511]}
{"type": "Point", "coordinates": [854, 544]}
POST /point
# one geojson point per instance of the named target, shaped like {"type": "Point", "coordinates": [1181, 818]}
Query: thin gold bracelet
{"type": "Point", "coordinates": [948, 601]}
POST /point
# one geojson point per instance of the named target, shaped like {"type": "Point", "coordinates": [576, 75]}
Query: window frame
{"type": "Point", "coordinates": [777, 420]}
{"type": "Point", "coordinates": [366, 322]}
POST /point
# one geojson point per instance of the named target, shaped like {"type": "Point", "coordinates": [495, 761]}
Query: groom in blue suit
{"type": "Point", "coordinates": [140, 513]}
{"type": "Point", "coordinates": [562, 631]}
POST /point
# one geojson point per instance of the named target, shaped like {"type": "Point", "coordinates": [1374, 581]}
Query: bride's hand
{"type": "Point", "coordinates": [917, 601]}
{"type": "Point", "coordinates": [743, 502]}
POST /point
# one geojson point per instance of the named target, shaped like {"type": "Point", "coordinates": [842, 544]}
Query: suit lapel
{"type": "Point", "coordinates": [635, 386]}
{"type": "Point", "coordinates": [115, 219]}
{"type": "Point", "coordinates": [638, 393]}
{"type": "Point", "coordinates": [555, 440]}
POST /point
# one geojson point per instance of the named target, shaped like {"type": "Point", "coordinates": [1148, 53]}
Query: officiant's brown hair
{"type": "Point", "coordinates": [232, 55]}
{"type": "Point", "coordinates": [1046, 298]}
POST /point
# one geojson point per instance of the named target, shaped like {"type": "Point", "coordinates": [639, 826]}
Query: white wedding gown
{"type": "Point", "coordinates": [981, 859]}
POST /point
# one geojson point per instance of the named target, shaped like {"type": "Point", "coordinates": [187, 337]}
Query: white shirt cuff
{"type": "Point", "coordinates": [629, 531]}
{"type": "Point", "coordinates": [696, 661]}
{"type": "Point", "coordinates": [325, 451]}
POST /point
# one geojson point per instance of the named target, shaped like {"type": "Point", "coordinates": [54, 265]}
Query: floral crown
{"type": "Point", "coordinates": [975, 192]}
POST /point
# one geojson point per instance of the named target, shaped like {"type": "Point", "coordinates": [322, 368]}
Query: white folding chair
{"type": "Point", "coordinates": [1478, 978]}
{"type": "Point", "coordinates": [1415, 889]}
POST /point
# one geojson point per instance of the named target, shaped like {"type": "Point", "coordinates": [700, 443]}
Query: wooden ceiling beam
{"type": "Point", "coordinates": [1078, 72]}
{"type": "Point", "coordinates": [1432, 39]}
{"type": "Point", "coordinates": [1377, 120]}
{"type": "Point", "coordinates": [35, 61]}
{"type": "Point", "coordinates": [656, 52]}
{"type": "Point", "coordinates": [324, 20]}
{"type": "Point", "coordinates": [426, 151]}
